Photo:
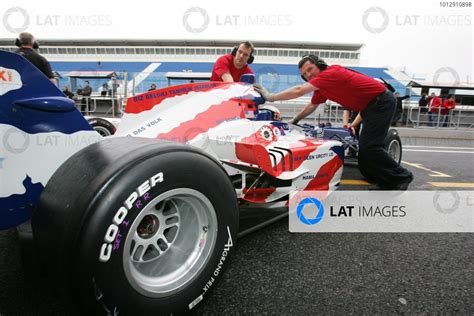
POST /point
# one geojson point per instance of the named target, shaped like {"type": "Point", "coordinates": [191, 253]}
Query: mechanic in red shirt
{"type": "Point", "coordinates": [231, 67]}
{"type": "Point", "coordinates": [356, 92]}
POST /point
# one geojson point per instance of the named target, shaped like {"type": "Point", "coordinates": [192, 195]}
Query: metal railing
{"type": "Point", "coordinates": [459, 117]}
{"type": "Point", "coordinates": [413, 115]}
{"type": "Point", "coordinates": [89, 105]}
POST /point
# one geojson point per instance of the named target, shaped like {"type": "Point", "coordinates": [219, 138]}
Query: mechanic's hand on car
{"type": "Point", "coordinates": [294, 121]}
{"type": "Point", "coordinates": [264, 92]}
{"type": "Point", "coordinates": [350, 128]}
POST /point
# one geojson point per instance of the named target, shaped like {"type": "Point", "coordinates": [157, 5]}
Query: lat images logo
{"type": "Point", "coordinates": [307, 206]}
{"type": "Point", "coordinates": [9, 80]}
{"type": "Point", "coordinates": [11, 17]}
{"type": "Point", "coordinates": [192, 14]}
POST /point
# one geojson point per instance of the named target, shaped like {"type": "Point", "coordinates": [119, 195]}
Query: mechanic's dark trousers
{"type": "Point", "coordinates": [374, 162]}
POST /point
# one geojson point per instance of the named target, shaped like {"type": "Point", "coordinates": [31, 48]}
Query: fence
{"type": "Point", "coordinates": [111, 102]}
{"type": "Point", "coordinates": [413, 115]}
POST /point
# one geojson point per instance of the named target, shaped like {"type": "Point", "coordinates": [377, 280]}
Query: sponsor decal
{"type": "Point", "coordinates": [316, 176]}
{"type": "Point", "coordinates": [316, 156]}
{"type": "Point", "coordinates": [217, 270]}
{"type": "Point", "coordinates": [99, 296]}
{"type": "Point", "coordinates": [112, 237]}
{"type": "Point", "coordinates": [10, 80]}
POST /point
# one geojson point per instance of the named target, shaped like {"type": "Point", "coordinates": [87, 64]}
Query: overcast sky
{"type": "Point", "coordinates": [425, 37]}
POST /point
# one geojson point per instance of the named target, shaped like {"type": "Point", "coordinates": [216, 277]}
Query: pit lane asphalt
{"type": "Point", "coordinates": [277, 272]}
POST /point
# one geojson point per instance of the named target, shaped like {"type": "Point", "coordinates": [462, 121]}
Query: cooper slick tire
{"type": "Point", "coordinates": [136, 226]}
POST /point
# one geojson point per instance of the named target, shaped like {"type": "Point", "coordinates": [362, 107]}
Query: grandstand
{"type": "Point", "coordinates": [141, 63]}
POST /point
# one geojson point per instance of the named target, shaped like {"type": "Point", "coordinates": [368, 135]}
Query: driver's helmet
{"type": "Point", "coordinates": [272, 109]}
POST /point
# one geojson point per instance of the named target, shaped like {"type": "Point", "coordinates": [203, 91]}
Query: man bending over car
{"type": "Point", "coordinates": [356, 92]}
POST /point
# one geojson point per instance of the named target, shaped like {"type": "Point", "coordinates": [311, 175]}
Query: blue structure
{"type": "Point", "coordinates": [275, 77]}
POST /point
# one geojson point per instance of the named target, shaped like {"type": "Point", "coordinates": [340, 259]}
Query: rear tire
{"type": "Point", "coordinates": [393, 145]}
{"type": "Point", "coordinates": [137, 226]}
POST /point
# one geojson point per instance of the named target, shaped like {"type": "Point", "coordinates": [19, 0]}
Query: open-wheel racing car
{"type": "Point", "coordinates": [146, 220]}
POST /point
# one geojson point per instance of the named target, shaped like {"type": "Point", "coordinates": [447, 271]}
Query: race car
{"type": "Point", "coordinates": [145, 221]}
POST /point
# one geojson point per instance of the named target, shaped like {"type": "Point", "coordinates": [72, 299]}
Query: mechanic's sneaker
{"type": "Point", "coordinates": [402, 186]}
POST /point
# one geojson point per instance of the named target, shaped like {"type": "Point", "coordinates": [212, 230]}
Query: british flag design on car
{"type": "Point", "coordinates": [265, 158]}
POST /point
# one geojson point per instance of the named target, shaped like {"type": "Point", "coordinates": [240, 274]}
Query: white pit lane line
{"type": "Point", "coordinates": [439, 149]}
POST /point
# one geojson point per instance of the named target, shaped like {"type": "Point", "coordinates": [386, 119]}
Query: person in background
{"type": "Point", "coordinates": [434, 109]}
{"type": "Point", "coordinates": [85, 93]}
{"type": "Point", "coordinates": [423, 102]}
{"type": "Point", "coordinates": [152, 87]}
{"type": "Point", "coordinates": [230, 67]}
{"type": "Point", "coordinates": [27, 48]}
{"type": "Point", "coordinates": [448, 105]}
{"type": "Point", "coordinates": [68, 93]}
{"type": "Point", "coordinates": [104, 89]}
{"type": "Point", "coordinates": [399, 109]}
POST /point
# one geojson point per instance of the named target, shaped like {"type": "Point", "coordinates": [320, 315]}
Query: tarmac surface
{"type": "Point", "coordinates": [277, 272]}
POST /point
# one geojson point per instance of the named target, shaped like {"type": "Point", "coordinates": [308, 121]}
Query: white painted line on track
{"type": "Point", "coordinates": [439, 151]}
{"type": "Point", "coordinates": [438, 147]}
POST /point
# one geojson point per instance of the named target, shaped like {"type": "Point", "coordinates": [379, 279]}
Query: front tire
{"type": "Point", "coordinates": [141, 226]}
{"type": "Point", "coordinates": [102, 126]}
